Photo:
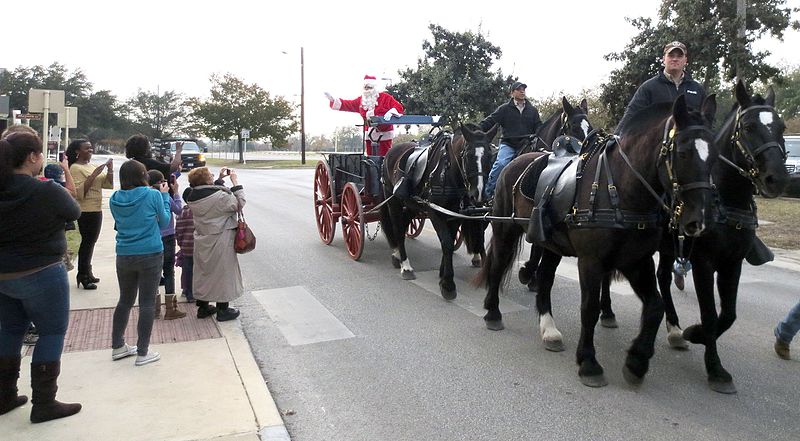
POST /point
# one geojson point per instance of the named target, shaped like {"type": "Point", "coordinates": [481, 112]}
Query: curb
{"type": "Point", "coordinates": [268, 418]}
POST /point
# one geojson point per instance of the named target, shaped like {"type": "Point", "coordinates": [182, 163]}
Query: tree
{"type": "Point", "coordinates": [709, 29]}
{"type": "Point", "coordinates": [99, 113]}
{"type": "Point", "coordinates": [454, 78]}
{"type": "Point", "coordinates": [158, 115]}
{"type": "Point", "coordinates": [100, 117]}
{"type": "Point", "coordinates": [235, 105]}
{"type": "Point", "coordinates": [348, 139]}
{"type": "Point", "coordinates": [598, 114]}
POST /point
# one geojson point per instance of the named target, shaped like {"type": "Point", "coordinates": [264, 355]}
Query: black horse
{"type": "Point", "coordinates": [453, 177]}
{"type": "Point", "coordinates": [617, 228]}
{"type": "Point", "coordinates": [752, 155]}
{"type": "Point", "coordinates": [570, 121]}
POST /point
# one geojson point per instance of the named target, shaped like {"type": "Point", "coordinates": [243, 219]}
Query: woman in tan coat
{"type": "Point", "coordinates": [217, 277]}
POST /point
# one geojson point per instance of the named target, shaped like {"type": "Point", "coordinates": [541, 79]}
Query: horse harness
{"type": "Point", "coordinates": [558, 187]}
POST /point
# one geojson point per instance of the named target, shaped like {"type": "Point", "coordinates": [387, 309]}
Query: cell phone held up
{"type": "Point", "coordinates": [60, 156]}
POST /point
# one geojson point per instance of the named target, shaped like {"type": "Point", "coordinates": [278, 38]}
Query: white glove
{"type": "Point", "coordinates": [391, 112]}
{"type": "Point", "coordinates": [329, 96]}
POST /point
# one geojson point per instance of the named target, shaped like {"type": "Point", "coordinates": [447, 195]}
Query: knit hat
{"type": "Point", "coordinates": [370, 80]}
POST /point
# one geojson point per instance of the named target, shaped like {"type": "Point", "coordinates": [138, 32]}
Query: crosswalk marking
{"type": "Point", "coordinates": [300, 317]}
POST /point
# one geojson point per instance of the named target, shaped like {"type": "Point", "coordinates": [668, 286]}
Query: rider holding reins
{"type": "Point", "coordinates": [519, 119]}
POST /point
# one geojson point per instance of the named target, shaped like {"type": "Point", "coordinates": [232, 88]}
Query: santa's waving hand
{"type": "Point", "coordinates": [372, 103]}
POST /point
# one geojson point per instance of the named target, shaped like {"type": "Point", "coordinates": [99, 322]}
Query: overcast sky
{"type": "Point", "coordinates": [178, 44]}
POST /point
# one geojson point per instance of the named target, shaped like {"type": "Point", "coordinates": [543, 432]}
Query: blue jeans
{"type": "Point", "coordinates": [41, 298]}
{"type": "Point", "coordinates": [504, 155]}
{"type": "Point", "coordinates": [136, 274]}
{"type": "Point", "coordinates": [788, 327]}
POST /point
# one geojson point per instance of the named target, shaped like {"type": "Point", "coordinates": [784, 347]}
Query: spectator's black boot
{"type": "Point", "coordinates": [204, 309]}
{"type": "Point", "coordinates": [9, 373]}
{"type": "Point", "coordinates": [90, 276]}
{"type": "Point", "coordinates": [44, 382]}
{"type": "Point", "coordinates": [83, 279]}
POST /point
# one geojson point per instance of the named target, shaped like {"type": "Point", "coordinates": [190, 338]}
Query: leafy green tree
{"type": "Point", "coordinates": [235, 105]}
{"type": "Point", "coordinates": [787, 94]}
{"type": "Point", "coordinates": [158, 115]}
{"type": "Point", "coordinates": [598, 114]}
{"type": "Point", "coordinates": [453, 78]}
{"type": "Point", "coordinates": [709, 29]}
{"type": "Point", "coordinates": [99, 113]}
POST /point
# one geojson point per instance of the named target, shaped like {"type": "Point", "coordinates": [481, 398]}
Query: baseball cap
{"type": "Point", "coordinates": [675, 45]}
{"type": "Point", "coordinates": [517, 85]}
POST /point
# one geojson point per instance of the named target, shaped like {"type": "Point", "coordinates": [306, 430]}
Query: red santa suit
{"type": "Point", "coordinates": [367, 105]}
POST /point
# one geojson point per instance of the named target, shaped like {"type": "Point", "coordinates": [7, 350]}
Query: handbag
{"type": "Point", "coordinates": [245, 240]}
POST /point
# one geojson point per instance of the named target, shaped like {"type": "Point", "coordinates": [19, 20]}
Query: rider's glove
{"type": "Point", "coordinates": [329, 96]}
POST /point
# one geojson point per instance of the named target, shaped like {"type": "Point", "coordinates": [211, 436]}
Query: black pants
{"type": "Point", "coordinates": [169, 263]}
{"type": "Point", "coordinates": [89, 226]}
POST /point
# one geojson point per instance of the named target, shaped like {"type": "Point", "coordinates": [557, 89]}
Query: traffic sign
{"type": "Point", "coordinates": [245, 133]}
{"type": "Point", "coordinates": [30, 116]}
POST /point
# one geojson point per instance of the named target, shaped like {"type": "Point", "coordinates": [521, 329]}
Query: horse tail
{"type": "Point", "coordinates": [504, 246]}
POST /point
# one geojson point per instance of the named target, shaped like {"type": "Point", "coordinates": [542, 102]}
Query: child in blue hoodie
{"type": "Point", "coordinates": [139, 213]}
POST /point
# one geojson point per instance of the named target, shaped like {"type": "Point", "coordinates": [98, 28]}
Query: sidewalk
{"type": "Point", "coordinates": [206, 386]}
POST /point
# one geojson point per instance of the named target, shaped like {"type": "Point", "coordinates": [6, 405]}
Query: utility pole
{"type": "Point", "coordinates": [302, 111]}
{"type": "Point", "coordinates": [741, 17]}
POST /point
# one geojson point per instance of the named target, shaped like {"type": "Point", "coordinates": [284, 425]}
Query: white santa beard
{"type": "Point", "coordinates": [369, 99]}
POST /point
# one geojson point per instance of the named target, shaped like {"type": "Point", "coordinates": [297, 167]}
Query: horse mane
{"type": "Point", "coordinates": [642, 121]}
{"type": "Point", "coordinates": [551, 118]}
{"type": "Point", "coordinates": [727, 125]}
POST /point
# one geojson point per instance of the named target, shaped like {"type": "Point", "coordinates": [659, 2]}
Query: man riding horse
{"type": "Point", "coordinates": [518, 118]}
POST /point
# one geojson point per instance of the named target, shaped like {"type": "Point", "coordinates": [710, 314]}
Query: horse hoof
{"type": "Point", "coordinates": [630, 377]}
{"type": "Point", "coordinates": [694, 334]}
{"type": "Point", "coordinates": [495, 325]}
{"type": "Point", "coordinates": [554, 345]}
{"type": "Point", "coordinates": [723, 387]}
{"type": "Point", "coordinates": [609, 322]}
{"type": "Point", "coordinates": [476, 263]}
{"type": "Point", "coordinates": [676, 341]}
{"type": "Point", "coordinates": [408, 275]}
{"type": "Point", "coordinates": [594, 380]}
{"type": "Point", "coordinates": [449, 294]}
{"type": "Point", "coordinates": [532, 287]}
{"type": "Point", "coordinates": [395, 262]}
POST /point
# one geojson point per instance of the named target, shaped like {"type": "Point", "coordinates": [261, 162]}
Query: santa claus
{"type": "Point", "coordinates": [372, 103]}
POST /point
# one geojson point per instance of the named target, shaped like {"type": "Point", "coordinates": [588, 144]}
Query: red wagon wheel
{"type": "Point", "coordinates": [352, 221]}
{"type": "Point", "coordinates": [415, 227]}
{"type": "Point", "coordinates": [323, 202]}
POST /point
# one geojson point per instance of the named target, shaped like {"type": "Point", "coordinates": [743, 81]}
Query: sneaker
{"type": "Point", "coordinates": [30, 339]}
{"type": "Point", "coordinates": [151, 357]}
{"type": "Point", "coordinates": [227, 314]}
{"type": "Point", "coordinates": [782, 349]}
{"type": "Point", "coordinates": [123, 351]}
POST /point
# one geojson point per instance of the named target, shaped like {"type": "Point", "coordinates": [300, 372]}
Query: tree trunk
{"type": "Point", "coordinates": [241, 150]}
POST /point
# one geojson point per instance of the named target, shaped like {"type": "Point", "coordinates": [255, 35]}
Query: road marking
{"type": "Point", "coordinates": [300, 317]}
{"type": "Point", "coordinates": [469, 298]}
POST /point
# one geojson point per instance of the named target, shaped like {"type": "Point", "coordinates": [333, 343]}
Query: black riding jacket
{"type": "Point", "coordinates": [515, 124]}
{"type": "Point", "coordinates": [661, 89]}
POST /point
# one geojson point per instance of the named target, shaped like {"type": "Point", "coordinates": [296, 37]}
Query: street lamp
{"type": "Point", "coordinates": [302, 109]}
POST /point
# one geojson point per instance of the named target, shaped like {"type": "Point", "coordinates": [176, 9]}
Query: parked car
{"type": "Point", "coordinates": [793, 164]}
{"type": "Point", "coordinates": [192, 155]}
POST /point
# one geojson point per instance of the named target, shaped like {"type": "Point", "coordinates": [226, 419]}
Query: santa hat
{"type": "Point", "coordinates": [370, 80]}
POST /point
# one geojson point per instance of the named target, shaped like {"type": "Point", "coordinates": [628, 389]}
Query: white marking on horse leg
{"type": "Point", "coordinates": [406, 266]}
{"type": "Point", "coordinates": [585, 127]}
{"type": "Point", "coordinates": [702, 149]}
{"type": "Point", "coordinates": [396, 253]}
{"type": "Point", "coordinates": [547, 328]}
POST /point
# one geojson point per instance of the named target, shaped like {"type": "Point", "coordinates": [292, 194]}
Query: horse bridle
{"type": "Point", "coordinates": [670, 147]}
{"type": "Point", "coordinates": [745, 149]}
{"type": "Point", "coordinates": [462, 161]}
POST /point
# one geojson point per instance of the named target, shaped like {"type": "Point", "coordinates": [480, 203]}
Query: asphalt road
{"type": "Point", "coordinates": [351, 351]}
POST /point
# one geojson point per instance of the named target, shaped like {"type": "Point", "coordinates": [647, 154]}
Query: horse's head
{"type": "Point", "coordinates": [476, 157]}
{"type": "Point", "coordinates": [687, 155]}
{"type": "Point", "coordinates": [757, 141]}
{"type": "Point", "coordinates": [575, 120]}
